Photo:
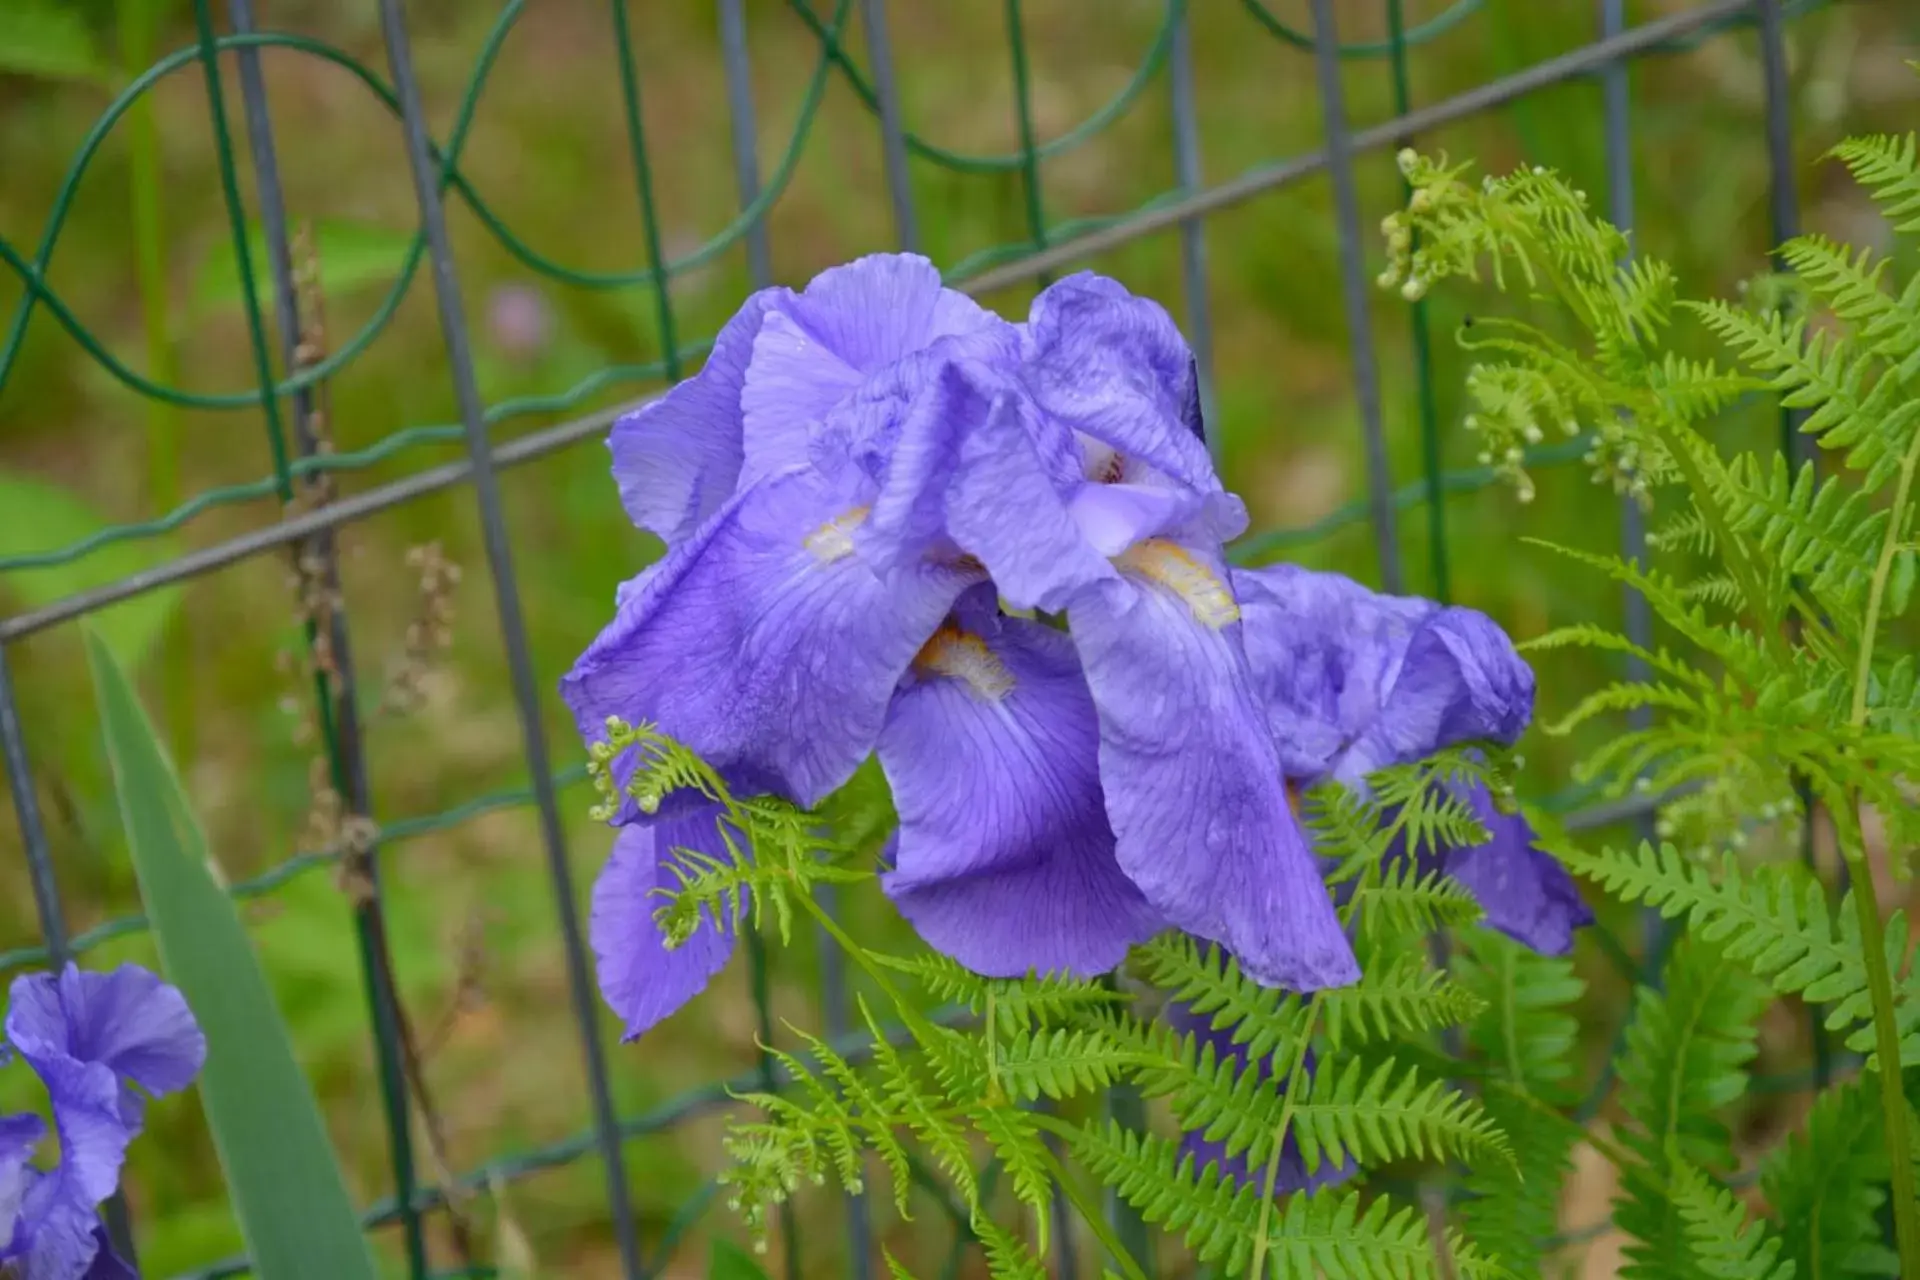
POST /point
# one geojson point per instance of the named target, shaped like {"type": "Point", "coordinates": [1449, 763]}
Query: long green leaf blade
{"type": "Point", "coordinates": [286, 1188]}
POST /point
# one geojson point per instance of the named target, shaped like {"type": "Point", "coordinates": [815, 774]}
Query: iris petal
{"type": "Point", "coordinates": [1009, 508]}
{"type": "Point", "coordinates": [642, 980]}
{"type": "Point", "coordinates": [1115, 367]}
{"type": "Point", "coordinates": [128, 1021]}
{"type": "Point", "coordinates": [1004, 859]}
{"type": "Point", "coordinates": [1524, 891]}
{"type": "Point", "coordinates": [1193, 786]}
{"type": "Point", "coordinates": [20, 1137]}
{"type": "Point", "coordinates": [1355, 681]}
{"type": "Point", "coordinates": [677, 459]}
{"type": "Point", "coordinates": [817, 347]}
{"type": "Point", "coordinates": [765, 644]}
{"type": "Point", "coordinates": [62, 1235]}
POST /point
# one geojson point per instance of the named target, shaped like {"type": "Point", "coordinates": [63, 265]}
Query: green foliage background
{"type": "Point", "coordinates": [471, 921]}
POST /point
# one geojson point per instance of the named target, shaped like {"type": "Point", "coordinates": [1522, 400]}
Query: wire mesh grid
{"type": "Point", "coordinates": [301, 465]}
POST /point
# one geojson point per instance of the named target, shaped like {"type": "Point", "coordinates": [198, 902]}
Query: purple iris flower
{"type": "Point", "coordinates": [96, 1040]}
{"type": "Point", "coordinates": [1354, 682]}
{"type": "Point", "coordinates": [858, 478]}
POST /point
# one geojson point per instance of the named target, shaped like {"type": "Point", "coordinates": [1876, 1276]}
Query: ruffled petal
{"type": "Point", "coordinates": [128, 1021]}
{"type": "Point", "coordinates": [1461, 680]}
{"type": "Point", "coordinates": [677, 460]}
{"type": "Point", "coordinates": [1009, 507]}
{"type": "Point", "coordinates": [61, 1235]}
{"type": "Point", "coordinates": [1115, 367]}
{"type": "Point", "coordinates": [905, 434]}
{"type": "Point", "coordinates": [640, 978]}
{"type": "Point", "coordinates": [94, 1132]}
{"type": "Point", "coordinates": [817, 347]}
{"type": "Point", "coordinates": [764, 643]}
{"type": "Point", "coordinates": [1291, 1174]}
{"type": "Point", "coordinates": [1524, 891]}
{"type": "Point", "coordinates": [1192, 783]}
{"type": "Point", "coordinates": [1353, 680]}
{"type": "Point", "coordinates": [20, 1137]}
{"type": "Point", "coordinates": [1004, 859]}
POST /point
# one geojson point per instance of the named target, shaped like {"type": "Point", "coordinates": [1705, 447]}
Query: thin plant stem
{"type": "Point", "coordinates": [1096, 1221]}
{"type": "Point", "coordinates": [1296, 1080]}
{"type": "Point", "coordinates": [1886, 1030]}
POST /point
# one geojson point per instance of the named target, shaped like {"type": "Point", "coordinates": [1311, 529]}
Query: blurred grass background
{"type": "Point", "coordinates": [469, 908]}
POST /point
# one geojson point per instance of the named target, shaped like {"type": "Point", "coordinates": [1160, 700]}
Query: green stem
{"type": "Point", "coordinates": [915, 1020]}
{"type": "Point", "coordinates": [1296, 1079]}
{"type": "Point", "coordinates": [1089, 1211]}
{"type": "Point", "coordinates": [1882, 571]}
{"type": "Point", "coordinates": [993, 1055]}
{"type": "Point", "coordinates": [1886, 1030]}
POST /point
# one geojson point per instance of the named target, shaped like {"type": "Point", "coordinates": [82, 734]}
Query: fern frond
{"type": "Point", "coordinates": [1526, 1036]}
{"type": "Point", "coordinates": [1776, 923]}
{"type": "Point", "coordinates": [1826, 1185]}
{"type": "Point", "coordinates": [1685, 1059]}
{"type": "Point", "coordinates": [1215, 1216]}
{"type": "Point", "coordinates": [1396, 997]}
{"type": "Point", "coordinates": [1331, 1233]}
{"type": "Point", "coordinates": [1722, 1242]}
{"type": "Point", "coordinates": [1851, 283]}
{"type": "Point", "coordinates": [1008, 1258]}
{"type": "Point", "coordinates": [1017, 1144]}
{"type": "Point", "coordinates": [1390, 1112]}
{"type": "Point", "coordinates": [872, 1122]}
{"type": "Point", "coordinates": [921, 1110]}
{"type": "Point", "coordinates": [1190, 971]}
{"type": "Point", "coordinates": [1036, 999]}
{"type": "Point", "coordinates": [1826, 533]}
{"type": "Point", "coordinates": [1060, 1063]}
{"type": "Point", "coordinates": [1887, 166]}
{"type": "Point", "coordinates": [1524, 1031]}
{"type": "Point", "coordinates": [1407, 902]}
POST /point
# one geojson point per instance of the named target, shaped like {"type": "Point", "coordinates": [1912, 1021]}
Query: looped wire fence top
{"type": "Point", "coordinates": [1048, 246]}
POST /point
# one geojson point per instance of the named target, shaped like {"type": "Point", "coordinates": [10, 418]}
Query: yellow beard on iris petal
{"type": "Point", "coordinates": [1175, 568]}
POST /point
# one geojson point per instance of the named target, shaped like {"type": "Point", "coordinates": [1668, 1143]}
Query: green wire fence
{"type": "Point", "coordinates": [228, 46]}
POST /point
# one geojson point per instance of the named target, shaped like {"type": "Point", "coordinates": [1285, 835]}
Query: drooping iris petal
{"type": "Point", "coordinates": [49, 1222]}
{"type": "Point", "coordinates": [1291, 1174]}
{"type": "Point", "coordinates": [1524, 891]}
{"type": "Point", "coordinates": [1004, 859]}
{"type": "Point", "coordinates": [20, 1137]}
{"type": "Point", "coordinates": [93, 1133]}
{"type": "Point", "coordinates": [677, 460]}
{"type": "Point", "coordinates": [1192, 785]}
{"type": "Point", "coordinates": [1354, 681]}
{"type": "Point", "coordinates": [817, 347]}
{"type": "Point", "coordinates": [764, 643]}
{"type": "Point", "coordinates": [642, 980]}
{"type": "Point", "coordinates": [128, 1021]}
{"type": "Point", "coordinates": [61, 1236]}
